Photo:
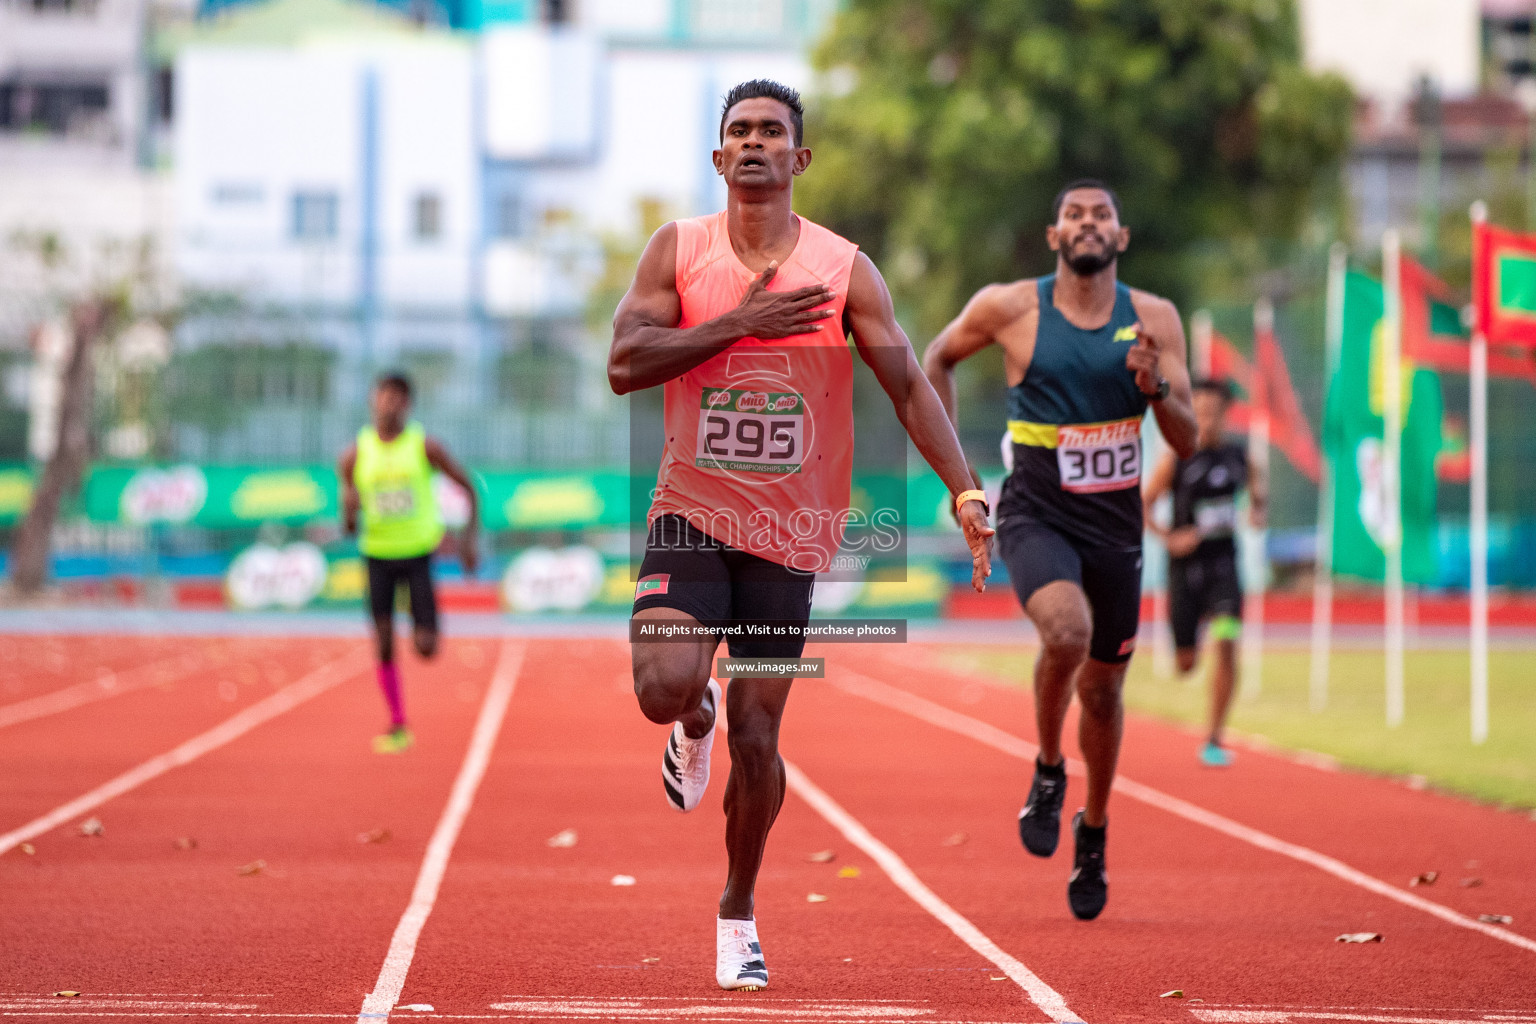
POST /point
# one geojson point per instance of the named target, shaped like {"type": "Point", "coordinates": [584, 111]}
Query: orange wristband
{"type": "Point", "coordinates": [972, 495]}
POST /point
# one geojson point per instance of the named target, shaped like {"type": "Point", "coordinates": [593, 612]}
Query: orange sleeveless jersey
{"type": "Point", "coordinates": [759, 450]}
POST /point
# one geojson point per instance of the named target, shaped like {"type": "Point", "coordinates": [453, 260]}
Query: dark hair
{"type": "Point", "coordinates": [394, 379]}
{"type": "Point", "coordinates": [1216, 385]}
{"type": "Point", "coordinates": [1073, 186]}
{"type": "Point", "coordinates": [766, 89]}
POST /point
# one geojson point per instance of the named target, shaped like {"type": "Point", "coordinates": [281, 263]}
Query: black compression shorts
{"type": "Point", "coordinates": [687, 569]}
{"type": "Point", "coordinates": [1037, 554]}
{"type": "Point", "coordinates": [1200, 589]}
{"type": "Point", "coordinates": [386, 574]}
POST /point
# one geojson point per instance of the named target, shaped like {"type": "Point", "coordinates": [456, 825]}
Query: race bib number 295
{"type": "Point", "coordinates": [1103, 457]}
{"type": "Point", "coordinates": [752, 431]}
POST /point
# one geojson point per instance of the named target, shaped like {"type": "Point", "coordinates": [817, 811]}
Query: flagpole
{"type": "Point", "coordinates": [1392, 471]}
{"type": "Point", "coordinates": [1257, 575]}
{"type": "Point", "coordinates": [1322, 574]}
{"type": "Point", "coordinates": [1479, 518]}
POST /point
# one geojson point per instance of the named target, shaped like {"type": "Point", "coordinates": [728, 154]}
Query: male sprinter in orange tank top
{"type": "Point", "coordinates": [744, 317]}
{"type": "Point", "coordinates": [1084, 357]}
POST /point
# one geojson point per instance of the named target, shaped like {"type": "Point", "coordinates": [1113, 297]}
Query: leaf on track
{"type": "Point", "coordinates": [378, 835]}
{"type": "Point", "coordinates": [1495, 919]}
{"type": "Point", "coordinates": [185, 843]}
{"type": "Point", "coordinates": [1361, 937]}
{"type": "Point", "coordinates": [622, 880]}
{"type": "Point", "coordinates": [996, 977]}
{"type": "Point", "coordinates": [1176, 993]}
{"type": "Point", "coordinates": [420, 1007]}
{"type": "Point", "coordinates": [28, 849]}
{"type": "Point", "coordinates": [562, 840]}
{"type": "Point", "coordinates": [1471, 883]}
{"type": "Point", "coordinates": [651, 960]}
{"type": "Point", "coordinates": [816, 897]}
{"type": "Point", "coordinates": [822, 857]}
{"type": "Point", "coordinates": [255, 867]}
{"type": "Point", "coordinates": [958, 839]}
{"type": "Point", "coordinates": [92, 827]}
{"type": "Point", "coordinates": [1427, 878]}
{"type": "Point", "coordinates": [849, 872]}
{"type": "Point", "coordinates": [67, 993]}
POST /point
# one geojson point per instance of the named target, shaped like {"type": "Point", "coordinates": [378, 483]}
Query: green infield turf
{"type": "Point", "coordinates": [1433, 741]}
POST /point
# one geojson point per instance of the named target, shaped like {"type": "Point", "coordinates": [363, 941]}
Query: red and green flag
{"type": "Point", "coordinates": [1504, 297]}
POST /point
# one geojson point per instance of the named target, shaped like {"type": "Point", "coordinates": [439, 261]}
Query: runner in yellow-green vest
{"type": "Point", "coordinates": [387, 500]}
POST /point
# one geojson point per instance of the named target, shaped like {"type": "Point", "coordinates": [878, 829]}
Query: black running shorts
{"type": "Point", "coordinates": [1201, 589]}
{"type": "Point", "coordinates": [687, 569]}
{"type": "Point", "coordinates": [385, 574]}
{"type": "Point", "coordinates": [1037, 554]}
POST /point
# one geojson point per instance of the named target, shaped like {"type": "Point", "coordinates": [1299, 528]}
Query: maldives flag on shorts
{"type": "Point", "coordinates": [1504, 285]}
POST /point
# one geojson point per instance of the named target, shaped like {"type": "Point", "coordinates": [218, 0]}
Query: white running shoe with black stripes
{"type": "Point", "coordinates": [739, 962]}
{"type": "Point", "coordinates": [685, 762]}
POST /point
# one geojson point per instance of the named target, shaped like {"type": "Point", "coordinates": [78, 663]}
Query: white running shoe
{"type": "Point", "coordinates": [685, 762]}
{"type": "Point", "coordinates": [738, 956]}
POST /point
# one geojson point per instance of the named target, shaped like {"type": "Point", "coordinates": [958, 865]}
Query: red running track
{"type": "Point", "coordinates": [518, 929]}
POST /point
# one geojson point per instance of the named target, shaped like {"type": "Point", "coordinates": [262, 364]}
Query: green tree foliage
{"type": "Point", "coordinates": [946, 127]}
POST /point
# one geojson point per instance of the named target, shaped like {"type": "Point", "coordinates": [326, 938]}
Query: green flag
{"type": "Point", "coordinates": [1352, 434]}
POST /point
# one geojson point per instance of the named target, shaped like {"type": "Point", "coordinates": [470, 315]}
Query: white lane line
{"type": "Point", "coordinates": [108, 684]}
{"type": "Point", "coordinates": [937, 714]}
{"type": "Point", "coordinates": [284, 700]}
{"type": "Point", "coordinates": [1042, 995]}
{"type": "Point", "coordinates": [402, 947]}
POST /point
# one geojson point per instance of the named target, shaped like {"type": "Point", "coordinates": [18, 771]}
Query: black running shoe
{"type": "Point", "coordinates": [1088, 888]}
{"type": "Point", "coordinates": [1040, 820]}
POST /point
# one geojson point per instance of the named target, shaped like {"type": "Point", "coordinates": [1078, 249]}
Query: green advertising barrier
{"type": "Point", "coordinates": [16, 485]}
{"type": "Point", "coordinates": [231, 497]}
{"type": "Point", "coordinates": [216, 497]}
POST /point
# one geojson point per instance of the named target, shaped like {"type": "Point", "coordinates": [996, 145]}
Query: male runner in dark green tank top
{"type": "Point", "coordinates": [1084, 356]}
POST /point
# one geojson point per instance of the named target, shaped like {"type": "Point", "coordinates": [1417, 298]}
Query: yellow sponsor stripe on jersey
{"type": "Point", "coordinates": [1047, 435]}
{"type": "Point", "coordinates": [1126, 334]}
{"type": "Point", "coordinates": [1036, 435]}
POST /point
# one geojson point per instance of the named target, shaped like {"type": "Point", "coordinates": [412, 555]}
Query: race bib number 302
{"type": "Point", "coordinates": [1104, 457]}
{"type": "Point", "coordinates": [751, 431]}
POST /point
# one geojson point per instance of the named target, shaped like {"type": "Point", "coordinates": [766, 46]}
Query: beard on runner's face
{"type": "Point", "coordinates": [1088, 261]}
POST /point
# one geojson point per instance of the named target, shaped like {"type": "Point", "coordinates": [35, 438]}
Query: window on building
{"type": "Point", "coordinates": [54, 107]}
{"type": "Point", "coordinates": [557, 12]}
{"type": "Point", "coordinates": [315, 215]}
{"type": "Point", "coordinates": [165, 95]}
{"type": "Point", "coordinates": [427, 217]}
{"type": "Point", "coordinates": [507, 219]}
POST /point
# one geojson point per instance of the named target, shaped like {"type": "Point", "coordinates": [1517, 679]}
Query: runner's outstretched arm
{"type": "Point", "coordinates": [1160, 350]}
{"type": "Point", "coordinates": [871, 319]}
{"type": "Point", "coordinates": [650, 349]}
{"type": "Point", "coordinates": [447, 465]}
{"type": "Point", "coordinates": [973, 330]}
{"type": "Point", "coordinates": [350, 502]}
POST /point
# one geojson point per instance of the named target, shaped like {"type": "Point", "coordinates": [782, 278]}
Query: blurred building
{"type": "Point", "coordinates": [81, 111]}
{"type": "Point", "coordinates": [439, 187]}
{"type": "Point", "coordinates": [1447, 98]}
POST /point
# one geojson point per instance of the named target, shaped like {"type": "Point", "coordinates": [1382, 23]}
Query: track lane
{"type": "Point", "coordinates": [131, 913]}
{"type": "Point", "coordinates": [1189, 908]}
{"type": "Point", "coordinates": [47, 761]}
{"type": "Point", "coordinates": [32, 666]}
{"type": "Point", "coordinates": [1376, 825]}
{"type": "Point", "coordinates": [524, 928]}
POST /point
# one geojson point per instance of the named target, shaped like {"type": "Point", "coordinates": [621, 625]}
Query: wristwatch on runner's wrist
{"type": "Point", "coordinates": [1163, 387]}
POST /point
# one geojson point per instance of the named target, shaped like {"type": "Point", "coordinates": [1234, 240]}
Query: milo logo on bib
{"type": "Point", "coordinates": [750, 431]}
{"type": "Point", "coordinates": [1099, 456]}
